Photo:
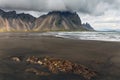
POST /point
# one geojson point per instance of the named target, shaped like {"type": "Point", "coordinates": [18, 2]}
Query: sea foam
{"type": "Point", "coordinates": [98, 36]}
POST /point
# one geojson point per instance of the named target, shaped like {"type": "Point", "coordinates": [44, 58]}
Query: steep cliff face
{"type": "Point", "coordinates": [88, 26]}
{"type": "Point", "coordinates": [10, 21]}
{"type": "Point", "coordinates": [53, 21]}
{"type": "Point", "coordinates": [59, 21]}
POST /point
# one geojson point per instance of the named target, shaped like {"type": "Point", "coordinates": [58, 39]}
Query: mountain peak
{"type": "Point", "coordinates": [60, 20]}
{"type": "Point", "coordinates": [62, 13]}
{"type": "Point", "coordinates": [1, 11]}
{"type": "Point", "coordinates": [87, 26]}
{"type": "Point", "coordinates": [53, 21]}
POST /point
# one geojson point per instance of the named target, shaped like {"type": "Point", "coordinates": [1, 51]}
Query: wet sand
{"type": "Point", "coordinates": [103, 57]}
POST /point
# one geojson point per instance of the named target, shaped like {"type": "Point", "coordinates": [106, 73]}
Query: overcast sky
{"type": "Point", "coordinates": [101, 14]}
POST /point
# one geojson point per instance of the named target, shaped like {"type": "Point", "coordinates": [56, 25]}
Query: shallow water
{"type": "Point", "coordinates": [97, 36]}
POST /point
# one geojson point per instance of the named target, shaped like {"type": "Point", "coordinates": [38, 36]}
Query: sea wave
{"type": "Point", "coordinates": [99, 36]}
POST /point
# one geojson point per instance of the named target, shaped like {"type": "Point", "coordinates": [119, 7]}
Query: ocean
{"type": "Point", "coordinates": [96, 36]}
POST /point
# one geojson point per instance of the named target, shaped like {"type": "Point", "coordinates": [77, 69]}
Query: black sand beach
{"type": "Point", "coordinates": [102, 57]}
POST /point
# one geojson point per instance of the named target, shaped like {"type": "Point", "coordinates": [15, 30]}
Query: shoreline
{"type": "Point", "coordinates": [103, 57]}
{"type": "Point", "coordinates": [64, 36]}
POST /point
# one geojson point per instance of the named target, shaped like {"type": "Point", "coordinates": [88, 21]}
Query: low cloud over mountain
{"type": "Point", "coordinates": [53, 21]}
{"type": "Point", "coordinates": [96, 7]}
{"type": "Point", "coordinates": [94, 12]}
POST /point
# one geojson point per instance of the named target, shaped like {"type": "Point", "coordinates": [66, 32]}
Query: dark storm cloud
{"type": "Point", "coordinates": [94, 7]}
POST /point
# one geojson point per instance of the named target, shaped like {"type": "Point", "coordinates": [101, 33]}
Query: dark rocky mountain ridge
{"type": "Point", "coordinates": [53, 21]}
{"type": "Point", "coordinates": [87, 26]}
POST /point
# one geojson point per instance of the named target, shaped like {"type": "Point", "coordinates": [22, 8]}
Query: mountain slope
{"type": "Point", "coordinates": [56, 20]}
{"type": "Point", "coordinates": [87, 26]}
{"type": "Point", "coordinates": [10, 21]}
{"type": "Point", "coordinates": [59, 21]}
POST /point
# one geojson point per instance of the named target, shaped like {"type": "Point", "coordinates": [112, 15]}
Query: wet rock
{"type": "Point", "coordinates": [34, 60]}
{"type": "Point", "coordinates": [84, 71]}
{"type": "Point", "coordinates": [57, 66]}
{"type": "Point", "coordinates": [37, 72]}
{"type": "Point", "coordinates": [40, 62]}
{"type": "Point", "coordinates": [16, 59]}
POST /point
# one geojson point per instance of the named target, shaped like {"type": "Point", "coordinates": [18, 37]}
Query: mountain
{"type": "Point", "coordinates": [53, 21]}
{"type": "Point", "coordinates": [87, 26]}
{"type": "Point", "coordinates": [59, 21]}
{"type": "Point", "coordinates": [10, 21]}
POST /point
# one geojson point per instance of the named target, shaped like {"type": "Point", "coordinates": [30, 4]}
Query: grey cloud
{"type": "Point", "coordinates": [93, 7]}
{"type": "Point", "coordinates": [111, 21]}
